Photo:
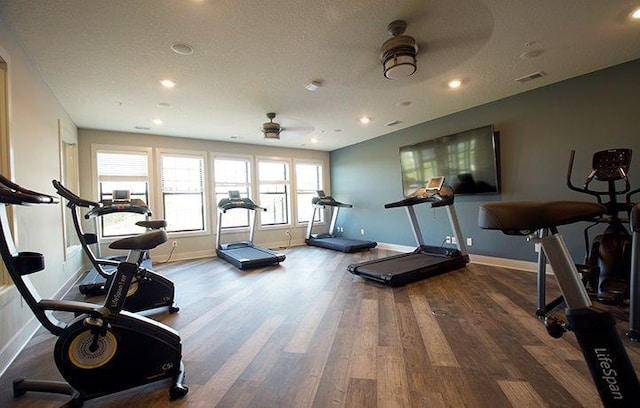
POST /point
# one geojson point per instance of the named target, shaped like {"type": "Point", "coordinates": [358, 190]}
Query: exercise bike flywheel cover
{"type": "Point", "coordinates": [81, 356]}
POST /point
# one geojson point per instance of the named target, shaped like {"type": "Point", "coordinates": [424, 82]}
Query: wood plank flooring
{"type": "Point", "coordinates": [309, 334]}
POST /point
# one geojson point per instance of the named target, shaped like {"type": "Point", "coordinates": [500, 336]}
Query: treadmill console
{"type": "Point", "coordinates": [321, 193]}
{"type": "Point", "coordinates": [234, 195]}
{"type": "Point", "coordinates": [121, 196]}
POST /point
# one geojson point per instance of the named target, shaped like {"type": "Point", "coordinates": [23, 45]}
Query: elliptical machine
{"type": "Point", "coordinates": [149, 291]}
{"type": "Point", "coordinates": [103, 350]}
{"type": "Point", "coordinates": [608, 260]}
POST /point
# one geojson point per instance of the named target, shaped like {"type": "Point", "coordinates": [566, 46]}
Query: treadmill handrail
{"type": "Point", "coordinates": [135, 206]}
{"type": "Point", "coordinates": [328, 201]}
{"type": "Point", "coordinates": [436, 200]}
{"type": "Point", "coordinates": [229, 204]}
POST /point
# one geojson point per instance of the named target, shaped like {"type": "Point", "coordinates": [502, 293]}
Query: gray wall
{"type": "Point", "coordinates": [538, 130]}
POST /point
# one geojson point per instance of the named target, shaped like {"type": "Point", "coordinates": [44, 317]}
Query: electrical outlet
{"type": "Point", "coordinates": [447, 239]}
{"type": "Point", "coordinates": [361, 231]}
{"type": "Point", "coordinates": [174, 244]}
{"type": "Point", "coordinates": [453, 240]}
{"type": "Point", "coordinates": [469, 241]}
{"type": "Point", "coordinates": [287, 233]}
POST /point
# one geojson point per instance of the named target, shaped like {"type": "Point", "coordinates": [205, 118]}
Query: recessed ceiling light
{"type": "Point", "coordinates": [167, 83]}
{"type": "Point", "coordinates": [157, 121]}
{"type": "Point", "coordinates": [182, 48]}
{"type": "Point", "coordinates": [455, 83]}
{"type": "Point", "coordinates": [636, 14]}
{"type": "Point", "coordinates": [364, 120]}
{"type": "Point", "coordinates": [314, 140]}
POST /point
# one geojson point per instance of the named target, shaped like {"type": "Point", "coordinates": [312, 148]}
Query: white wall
{"type": "Point", "coordinates": [34, 118]}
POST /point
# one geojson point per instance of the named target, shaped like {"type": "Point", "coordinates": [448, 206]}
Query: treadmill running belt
{"type": "Point", "coordinates": [249, 257]}
{"type": "Point", "coordinates": [401, 269]}
{"type": "Point", "coordinates": [341, 244]}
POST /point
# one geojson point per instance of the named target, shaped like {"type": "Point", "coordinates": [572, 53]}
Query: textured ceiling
{"type": "Point", "coordinates": [104, 59]}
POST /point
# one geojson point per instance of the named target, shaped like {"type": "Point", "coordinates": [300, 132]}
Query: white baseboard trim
{"type": "Point", "coordinates": [10, 351]}
{"type": "Point", "coordinates": [185, 256]}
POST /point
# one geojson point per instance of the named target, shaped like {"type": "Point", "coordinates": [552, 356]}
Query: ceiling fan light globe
{"type": "Point", "coordinates": [399, 57]}
{"type": "Point", "coordinates": [399, 66]}
{"type": "Point", "coordinates": [271, 130]}
{"type": "Point", "coordinates": [272, 135]}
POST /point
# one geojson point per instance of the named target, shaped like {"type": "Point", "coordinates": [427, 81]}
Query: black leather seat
{"type": "Point", "coordinates": [526, 217]}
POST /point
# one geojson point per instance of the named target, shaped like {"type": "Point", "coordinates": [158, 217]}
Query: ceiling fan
{"type": "Point", "coordinates": [399, 52]}
{"type": "Point", "coordinates": [271, 129]}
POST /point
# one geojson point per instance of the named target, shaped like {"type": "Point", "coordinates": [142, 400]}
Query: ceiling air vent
{"type": "Point", "coordinates": [392, 123]}
{"type": "Point", "coordinates": [530, 77]}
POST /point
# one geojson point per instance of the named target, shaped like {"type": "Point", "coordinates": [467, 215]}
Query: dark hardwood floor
{"type": "Point", "coordinates": [309, 334]}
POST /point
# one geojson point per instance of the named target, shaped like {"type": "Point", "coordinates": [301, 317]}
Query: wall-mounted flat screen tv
{"type": "Point", "coordinates": [469, 160]}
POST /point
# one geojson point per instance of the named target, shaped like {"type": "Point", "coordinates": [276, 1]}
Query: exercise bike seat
{"type": "Point", "coordinates": [142, 242]}
{"type": "Point", "coordinates": [526, 217]}
{"type": "Point", "coordinates": [152, 224]}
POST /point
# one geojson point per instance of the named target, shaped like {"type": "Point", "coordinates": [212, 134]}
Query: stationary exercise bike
{"type": "Point", "coordinates": [608, 260]}
{"type": "Point", "coordinates": [594, 327]}
{"type": "Point", "coordinates": [103, 349]}
{"type": "Point", "coordinates": [149, 292]}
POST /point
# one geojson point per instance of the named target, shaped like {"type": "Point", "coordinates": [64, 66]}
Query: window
{"type": "Point", "coordinates": [122, 170]}
{"type": "Point", "coordinates": [182, 186]}
{"type": "Point", "coordinates": [274, 191]}
{"type": "Point", "coordinates": [232, 174]}
{"type": "Point", "coordinates": [308, 181]}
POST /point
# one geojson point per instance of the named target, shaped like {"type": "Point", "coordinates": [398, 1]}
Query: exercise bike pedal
{"type": "Point", "coordinates": [555, 327]}
{"type": "Point", "coordinates": [613, 292]}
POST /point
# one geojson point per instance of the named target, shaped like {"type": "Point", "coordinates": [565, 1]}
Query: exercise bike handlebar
{"type": "Point", "coordinates": [11, 193]}
{"type": "Point", "coordinates": [589, 178]}
{"type": "Point", "coordinates": [585, 189]}
{"type": "Point", "coordinates": [73, 198]}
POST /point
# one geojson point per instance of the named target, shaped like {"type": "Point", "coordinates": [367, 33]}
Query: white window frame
{"type": "Point", "coordinates": [159, 194]}
{"type": "Point", "coordinates": [5, 149]}
{"type": "Point", "coordinates": [250, 185]}
{"type": "Point", "coordinates": [321, 214]}
{"type": "Point", "coordinates": [287, 183]}
{"type": "Point", "coordinates": [95, 149]}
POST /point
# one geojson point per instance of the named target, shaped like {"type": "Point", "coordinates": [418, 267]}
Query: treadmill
{"type": "Point", "coordinates": [329, 240]}
{"type": "Point", "coordinates": [425, 261]}
{"type": "Point", "coordinates": [243, 254]}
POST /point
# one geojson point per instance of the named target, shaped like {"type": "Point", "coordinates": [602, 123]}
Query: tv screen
{"type": "Point", "coordinates": [469, 161]}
